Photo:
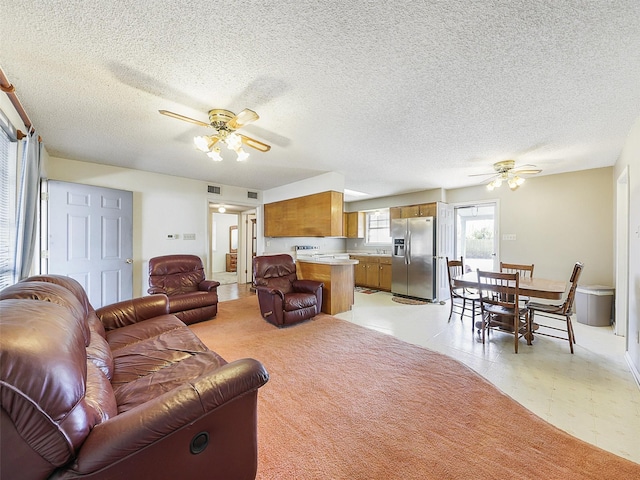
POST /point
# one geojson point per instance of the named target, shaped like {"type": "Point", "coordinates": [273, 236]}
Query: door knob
{"type": "Point", "coordinates": [129, 260]}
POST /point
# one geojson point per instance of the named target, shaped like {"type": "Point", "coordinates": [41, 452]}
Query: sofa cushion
{"type": "Point", "coordinates": [51, 292]}
{"type": "Point", "coordinates": [43, 359]}
{"type": "Point", "coordinates": [189, 301]}
{"type": "Point", "coordinates": [296, 301]}
{"type": "Point", "coordinates": [175, 274]}
{"type": "Point", "coordinates": [160, 375]}
{"type": "Point", "coordinates": [67, 282]}
{"type": "Point", "coordinates": [155, 356]}
{"type": "Point", "coordinates": [99, 394]}
{"type": "Point", "coordinates": [99, 353]}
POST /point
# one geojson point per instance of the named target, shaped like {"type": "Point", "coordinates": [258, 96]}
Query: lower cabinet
{"type": "Point", "coordinates": [373, 272]}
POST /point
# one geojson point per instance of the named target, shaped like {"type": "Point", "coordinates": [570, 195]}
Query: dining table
{"type": "Point", "coordinates": [527, 287]}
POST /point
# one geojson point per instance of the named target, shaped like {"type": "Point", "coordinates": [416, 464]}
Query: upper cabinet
{"type": "Point", "coordinates": [317, 215]}
{"type": "Point", "coordinates": [410, 211]}
{"type": "Point", "coordinates": [353, 226]}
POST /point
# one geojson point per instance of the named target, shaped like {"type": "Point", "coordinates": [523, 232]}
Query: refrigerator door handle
{"type": "Point", "coordinates": [407, 255]}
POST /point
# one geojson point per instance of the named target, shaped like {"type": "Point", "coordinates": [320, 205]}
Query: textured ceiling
{"type": "Point", "coordinates": [397, 96]}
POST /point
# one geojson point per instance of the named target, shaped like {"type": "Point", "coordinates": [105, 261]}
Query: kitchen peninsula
{"type": "Point", "coordinates": [338, 277]}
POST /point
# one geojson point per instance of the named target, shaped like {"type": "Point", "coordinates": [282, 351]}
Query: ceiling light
{"type": "Point", "coordinates": [506, 173]}
{"type": "Point", "coordinates": [224, 123]}
{"type": "Point", "coordinates": [214, 154]}
{"type": "Point", "coordinates": [222, 209]}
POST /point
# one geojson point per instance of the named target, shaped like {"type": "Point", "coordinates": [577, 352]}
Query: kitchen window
{"type": "Point", "coordinates": [378, 227]}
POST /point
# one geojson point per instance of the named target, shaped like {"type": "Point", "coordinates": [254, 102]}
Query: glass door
{"type": "Point", "coordinates": [476, 236]}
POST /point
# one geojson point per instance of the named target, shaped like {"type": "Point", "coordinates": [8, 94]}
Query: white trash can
{"type": "Point", "coordinates": [594, 305]}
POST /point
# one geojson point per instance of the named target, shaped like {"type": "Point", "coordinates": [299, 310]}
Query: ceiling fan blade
{"type": "Point", "coordinates": [182, 117]}
{"type": "Point", "coordinates": [482, 174]}
{"type": "Point", "coordinates": [245, 117]}
{"type": "Point", "coordinates": [526, 171]}
{"type": "Point", "coordinates": [253, 143]}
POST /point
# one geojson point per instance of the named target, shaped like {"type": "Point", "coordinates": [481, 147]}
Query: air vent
{"type": "Point", "coordinates": [213, 189]}
{"type": "Point", "coordinates": [252, 195]}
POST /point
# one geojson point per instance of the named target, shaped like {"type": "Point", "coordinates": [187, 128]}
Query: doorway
{"type": "Point", "coordinates": [223, 247]}
{"type": "Point", "coordinates": [232, 245]}
{"type": "Point", "coordinates": [476, 236]}
{"type": "Point", "coordinates": [622, 255]}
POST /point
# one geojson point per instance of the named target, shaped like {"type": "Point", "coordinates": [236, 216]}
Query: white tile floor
{"type": "Point", "coordinates": [590, 394]}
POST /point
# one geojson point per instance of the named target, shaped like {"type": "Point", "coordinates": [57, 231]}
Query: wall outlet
{"type": "Point", "coordinates": [173, 236]}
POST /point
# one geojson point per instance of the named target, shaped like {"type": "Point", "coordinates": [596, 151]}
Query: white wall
{"type": "Point", "coordinates": [322, 183]}
{"type": "Point", "coordinates": [557, 220]}
{"type": "Point", "coordinates": [162, 205]}
{"type": "Point", "coordinates": [630, 158]}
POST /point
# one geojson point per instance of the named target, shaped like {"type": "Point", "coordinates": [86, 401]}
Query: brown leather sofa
{"type": "Point", "coordinates": [181, 277]}
{"type": "Point", "coordinates": [283, 299]}
{"type": "Point", "coordinates": [127, 391]}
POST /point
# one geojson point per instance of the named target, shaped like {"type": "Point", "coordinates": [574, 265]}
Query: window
{"type": "Point", "coordinates": [7, 205]}
{"type": "Point", "coordinates": [378, 227]}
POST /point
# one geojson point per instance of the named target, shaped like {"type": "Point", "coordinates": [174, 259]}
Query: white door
{"type": "Point", "coordinates": [91, 239]}
{"type": "Point", "coordinates": [476, 236]}
{"type": "Point", "coordinates": [445, 246]}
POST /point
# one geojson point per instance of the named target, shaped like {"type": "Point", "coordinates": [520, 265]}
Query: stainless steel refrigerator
{"type": "Point", "coordinates": [413, 257]}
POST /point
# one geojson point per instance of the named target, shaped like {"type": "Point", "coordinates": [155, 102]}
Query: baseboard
{"type": "Point", "coordinates": [634, 370]}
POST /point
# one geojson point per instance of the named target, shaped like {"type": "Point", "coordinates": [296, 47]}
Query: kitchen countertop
{"type": "Point", "coordinates": [329, 261]}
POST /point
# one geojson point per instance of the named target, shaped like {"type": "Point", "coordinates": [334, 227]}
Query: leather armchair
{"type": "Point", "coordinates": [284, 300]}
{"type": "Point", "coordinates": [181, 277]}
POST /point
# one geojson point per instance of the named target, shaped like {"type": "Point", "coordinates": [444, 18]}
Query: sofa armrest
{"type": "Point", "coordinates": [307, 286]}
{"type": "Point", "coordinates": [208, 285]}
{"type": "Point", "coordinates": [150, 427]}
{"type": "Point", "coordinates": [132, 311]}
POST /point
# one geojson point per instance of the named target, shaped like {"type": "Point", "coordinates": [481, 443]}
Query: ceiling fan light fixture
{"type": "Point", "coordinates": [242, 155]}
{"type": "Point", "coordinates": [224, 123]}
{"type": "Point", "coordinates": [202, 143]}
{"type": "Point", "coordinates": [506, 173]}
{"type": "Point", "coordinates": [214, 154]}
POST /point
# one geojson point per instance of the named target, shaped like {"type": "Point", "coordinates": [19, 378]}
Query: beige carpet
{"type": "Point", "coordinates": [345, 402]}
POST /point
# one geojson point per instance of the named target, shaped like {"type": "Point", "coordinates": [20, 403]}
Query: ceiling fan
{"type": "Point", "coordinates": [225, 123]}
{"type": "Point", "coordinates": [505, 171]}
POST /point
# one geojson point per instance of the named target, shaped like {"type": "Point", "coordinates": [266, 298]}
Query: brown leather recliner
{"type": "Point", "coordinates": [181, 277]}
{"type": "Point", "coordinates": [284, 300]}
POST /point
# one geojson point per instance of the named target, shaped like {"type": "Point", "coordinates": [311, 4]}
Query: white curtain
{"type": "Point", "coordinates": [27, 206]}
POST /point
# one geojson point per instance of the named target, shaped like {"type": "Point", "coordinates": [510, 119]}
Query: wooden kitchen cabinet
{"type": "Point", "coordinates": [384, 280]}
{"type": "Point", "coordinates": [412, 211]}
{"type": "Point", "coordinates": [373, 272]}
{"type": "Point", "coordinates": [317, 215]}
{"type": "Point", "coordinates": [360, 270]}
{"type": "Point", "coordinates": [353, 226]}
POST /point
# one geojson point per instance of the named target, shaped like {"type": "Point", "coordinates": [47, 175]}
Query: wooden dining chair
{"type": "Point", "coordinates": [561, 312]}
{"type": "Point", "coordinates": [460, 296]}
{"type": "Point", "coordinates": [525, 271]}
{"type": "Point", "coordinates": [500, 305]}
